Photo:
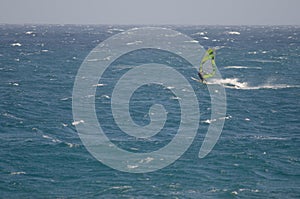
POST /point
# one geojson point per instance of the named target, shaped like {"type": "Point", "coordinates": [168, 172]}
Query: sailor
{"type": "Point", "coordinates": [201, 77]}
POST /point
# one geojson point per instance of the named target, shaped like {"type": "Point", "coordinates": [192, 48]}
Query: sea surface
{"type": "Point", "coordinates": [256, 156]}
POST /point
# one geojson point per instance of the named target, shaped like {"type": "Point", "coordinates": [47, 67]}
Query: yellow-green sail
{"type": "Point", "coordinates": [208, 66]}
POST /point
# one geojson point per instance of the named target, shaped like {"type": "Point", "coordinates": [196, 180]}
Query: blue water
{"type": "Point", "coordinates": [257, 155]}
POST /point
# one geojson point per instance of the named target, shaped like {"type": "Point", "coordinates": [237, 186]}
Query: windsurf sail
{"type": "Point", "coordinates": [207, 67]}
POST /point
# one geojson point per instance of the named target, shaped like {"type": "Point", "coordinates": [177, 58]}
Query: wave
{"type": "Point", "coordinates": [18, 173]}
{"type": "Point", "coordinates": [234, 83]}
{"type": "Point", "coordinates": [53, 139]}
{"type": "Point", "coordinates": [65, 98]}
{"type": "Point", "coordinates": [122, 67]}
{"type": "Point", "coordinates": [134, 43]}
{"type": "Point", "coordinates": [259, 137]}
{"type": "Point", "coordinates": [208, 121]}
{"type": "Point", "coordinates": [16, 44]}
{"type": "Point", "coordinates": [200, 33]}
{"type": "Point", "coordinates": [262, 60]}
{"type": "Point", "coordinates": [233, 33]}
{"type": "Point", "coordinates": [192, 41]}
{"type": "Point", "coordinates": [242, 67]}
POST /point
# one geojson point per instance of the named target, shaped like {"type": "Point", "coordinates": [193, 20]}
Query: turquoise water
{"type": "Point", "coordinates": [257, 155]}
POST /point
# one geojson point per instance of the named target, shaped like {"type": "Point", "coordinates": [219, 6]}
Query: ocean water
{"type": "Point", "coordinates": [256, 156]}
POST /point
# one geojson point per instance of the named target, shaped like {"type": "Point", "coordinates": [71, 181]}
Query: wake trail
{"type": "Point", "coordinates": [235, 83]}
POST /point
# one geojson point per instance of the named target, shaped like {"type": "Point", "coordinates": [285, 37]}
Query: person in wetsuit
{"type": "Point", "coordinates": [201, 77]}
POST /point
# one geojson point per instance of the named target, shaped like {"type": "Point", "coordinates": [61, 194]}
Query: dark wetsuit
{"type": "Point", "coordinates": [200, 76]}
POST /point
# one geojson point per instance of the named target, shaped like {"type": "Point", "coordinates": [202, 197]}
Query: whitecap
{"type": "Point", "coordinates": [170, 87]}
{"type": "Point", "coordinates": [98, 85]}
{"type": "Point", "coordinates": [29, 33]}
{"type": "Point", "coordinates": [107, 58]}
{"type": "Point", "coordinates": [218, 47]}
{"type": "Point", "coordinates": [213, 190]}
{"type": "Point", "coordinates": [225, 118]}
{"type": "Point", "coordinates": [46, 136]}
{"type": "Point", "coordinates": [146, 160]}
{"type": "Point", "coordinates": [192, 41]}
{"type": "Point", "coordinates": [242, 67]}
{"type": "Point", "coordinates": [134, 43]}
{"type": "Point", "coordinates": [132, 166]}
{"type": "Point", "coordinates": [200, 33]}
{"type": "Point", "coordinates": [233, 33]}
{"type": "Point", "coordinates": [105, 96]}
{"type": "Point", "coordinates": [252, 52]}
{"type": "Point", "coordinates": [65, 98]}
{"type": "Point", "coordinates": [133, 148]}
{"type": "Point", "coordinates": [77, 122]}
{"type": "Point", "coordinates": [250, 190]}
{"type": "Point", "coordinates": [175, 98]}
{"type": "Point", "coordinates": [70, 144]}
{"type": "Point", "coordinates": [121, 187]}
{"type": "Point", "coordinates": [18, 173]}
{"type": "Point", "coordinates": [92, 60]}
{"type": "Point", "coordinates": [51, 138]}
{"type": "Point", "coordinates": [209, 121]}
{"type": "Point", "coordinates": [16, 44]}
{"type": "Point", "coordinates": [234, 192]}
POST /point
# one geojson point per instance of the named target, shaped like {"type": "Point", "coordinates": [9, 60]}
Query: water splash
{"type": "Point", "coordinates": [235, 83]}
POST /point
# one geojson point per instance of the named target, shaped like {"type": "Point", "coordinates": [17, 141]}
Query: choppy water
{"type": "Point", "coordinates": [257, 155]}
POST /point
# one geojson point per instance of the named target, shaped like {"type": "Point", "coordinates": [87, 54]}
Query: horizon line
{"type": "Point", "coordinates": [148, 24]}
